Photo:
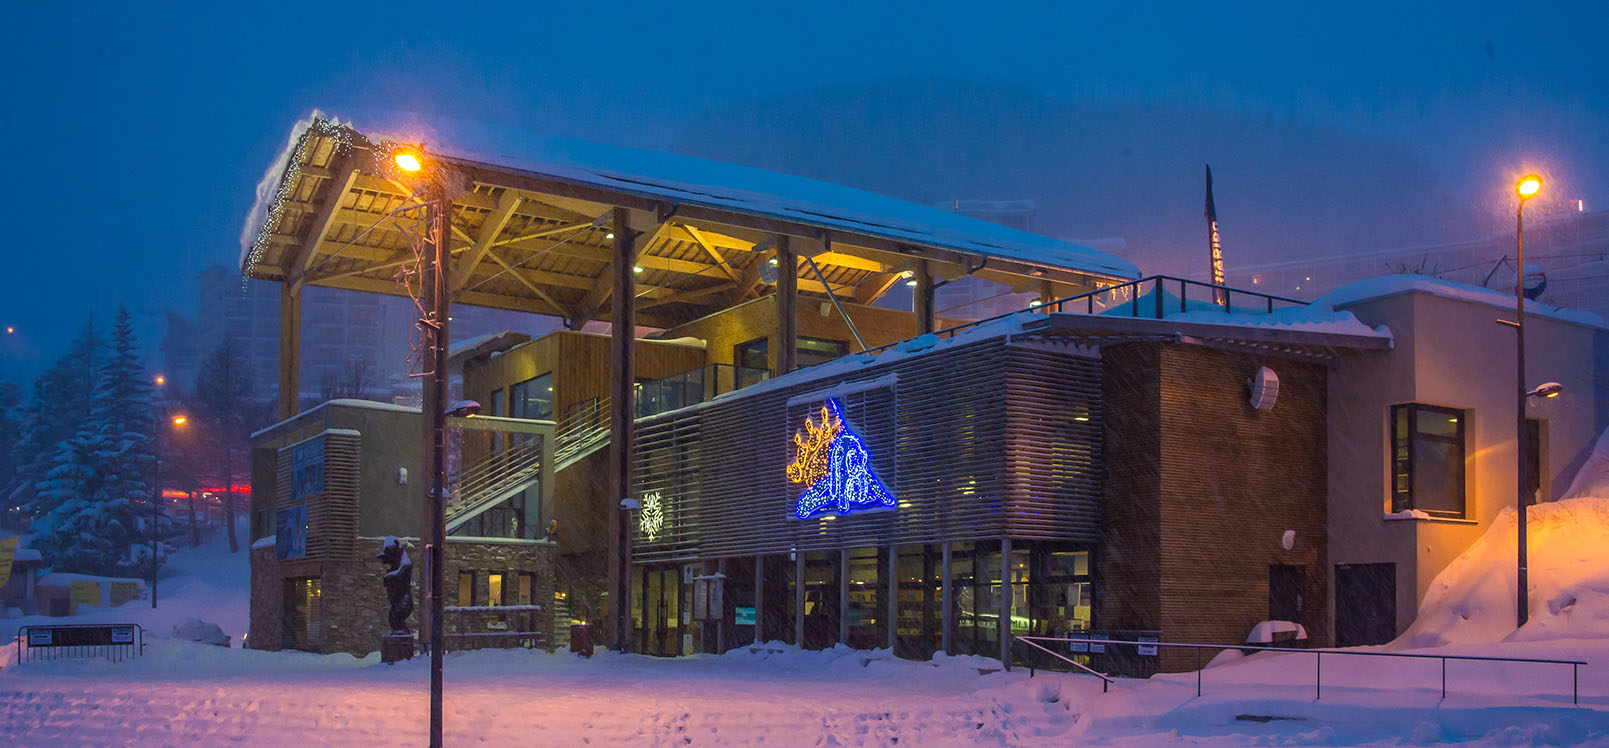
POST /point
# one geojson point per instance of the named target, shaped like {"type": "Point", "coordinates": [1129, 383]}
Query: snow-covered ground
{"type": "Point", "coordinates": [184, 693]}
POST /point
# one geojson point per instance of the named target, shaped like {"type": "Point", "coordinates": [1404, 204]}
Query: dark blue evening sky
{"type": "Point", "coordinates": [136, 132]}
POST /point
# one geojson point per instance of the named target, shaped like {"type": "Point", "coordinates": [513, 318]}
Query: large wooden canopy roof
{"type": "Point", "coordinates": [535, 237]}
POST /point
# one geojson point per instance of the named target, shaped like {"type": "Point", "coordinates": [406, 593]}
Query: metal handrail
{"type": "Point", "coordinates": [1106, 680]}
{"type": "Point", "coordinates": [489, 479]}
{"type": "Point", "coordinates": [1318, 688]}
{"type": "Point", "coordinates": [1058, 305]}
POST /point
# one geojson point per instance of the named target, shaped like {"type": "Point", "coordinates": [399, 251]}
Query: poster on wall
{"type": "Point", "coordinates": [307, 469]}
{"type": "Point", "coordinates": [290, 533]}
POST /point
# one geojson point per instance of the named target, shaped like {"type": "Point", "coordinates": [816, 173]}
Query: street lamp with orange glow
{"type": "Point", "coordinates": [411, 163]}
{"type": "Point", "coordinates": [1527, 188]}
{"type": "Point", "coordinates": [178, 421]}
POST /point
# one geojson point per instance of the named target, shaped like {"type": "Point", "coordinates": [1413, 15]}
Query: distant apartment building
{"type": "Point", "coordinates": [1566, 245]}
{"type": "Point", "coordinates": [353, 344]}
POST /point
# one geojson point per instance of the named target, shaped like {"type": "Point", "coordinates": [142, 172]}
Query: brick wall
{"type": "Point", "coordinates": [1201, 487]}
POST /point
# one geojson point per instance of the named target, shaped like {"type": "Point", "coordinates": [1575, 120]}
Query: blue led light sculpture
{"type": "Point", "coordinates": [849, 484]}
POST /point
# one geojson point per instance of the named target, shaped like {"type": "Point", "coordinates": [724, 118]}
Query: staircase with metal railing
{"type": "Point", "coordinates": [583, 431]}
{"type": "Point", "coordinates": [498, 476]}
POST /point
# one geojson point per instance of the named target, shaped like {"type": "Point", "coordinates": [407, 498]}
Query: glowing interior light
{"type": "Point", "coordinates": [609, 235]}
{"type": "Point", "coordinates": [636, 269]}
{"type": "Point", "coordinates": [848, 483]}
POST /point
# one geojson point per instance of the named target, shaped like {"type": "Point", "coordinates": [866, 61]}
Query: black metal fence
{"type": "Point", "coordinates": [1318, 659]}
{"type": "Point", "coordinates": [113, 641]}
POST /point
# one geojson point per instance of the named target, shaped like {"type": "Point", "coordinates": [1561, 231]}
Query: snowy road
{"type": "Point", "coordinates": [183, 694]}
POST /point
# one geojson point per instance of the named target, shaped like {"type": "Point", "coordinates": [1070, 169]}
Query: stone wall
{"type": "Point", "coordinates": [353, 606]}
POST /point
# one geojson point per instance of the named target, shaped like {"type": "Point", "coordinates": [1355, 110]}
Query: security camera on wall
{"type": "Point", "coordinates": [768, 274]}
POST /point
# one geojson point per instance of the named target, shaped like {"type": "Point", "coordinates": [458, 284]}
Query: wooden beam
{"type": "Point", "coordinates": [484, 236]}
{"type": "Point", "coordinates": [290, 350]}
{"type": "Point", "coordinates": [749, 282]}
{"type": "Point", "coordinates": [844, 260]}
{"type": "Point", "coordinates": [533, 287]}
{"type": "Point", "coordinates": [542, 233]}
{"type": "Point", "coordinates": [323, 219]}
{"type": "Point", "coordinates": [604, 285]}
{"type": "Point", "coordinates": [622, 430]}
{"type": "Point", "coordinates": [709, 249]}
{"type": "Point", "coordinates": [875, 287]}
{"type": "Point", "coordinates": [923, 302]}
{"type": "Point", "coordinates": [786, 348]}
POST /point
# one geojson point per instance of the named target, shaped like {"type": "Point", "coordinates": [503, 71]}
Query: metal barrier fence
{"type": "Point", "coordinates": [114, 641]}
{"type": "Point", "coordinates": [1318, 660]}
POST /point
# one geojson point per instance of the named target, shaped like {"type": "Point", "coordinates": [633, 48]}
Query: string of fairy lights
{"type": "Point", "coordinates": [340, 136]}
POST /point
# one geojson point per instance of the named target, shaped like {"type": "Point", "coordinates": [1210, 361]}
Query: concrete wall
{"type": "Point", "coordinates": [1451, 352]}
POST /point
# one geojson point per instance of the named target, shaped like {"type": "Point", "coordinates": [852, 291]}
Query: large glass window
{"type": "Point", "coordinates": [754, 355]}
{"type": "Point", "coordinates": [867, 606]}
{"type": "Point", "coordinates": [532, 398]}
{"type": "Point", "coordinates": [1427, 463]}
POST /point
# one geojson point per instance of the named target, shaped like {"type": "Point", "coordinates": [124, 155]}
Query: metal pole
{"type": "Point", "coordinates": [1318, 675]}
{"type": "Point", "coordinates": [438, 462]}
{"type": "Point", "coordinates": [946, 616]}
{"type": "Point", "coordinates": [1444, 678]}
{"type": "Point", "coordinates": [156, 503]}
{"type": "Point", "coordinates": [1522, 603]}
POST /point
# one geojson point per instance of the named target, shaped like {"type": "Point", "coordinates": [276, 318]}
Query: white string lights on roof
{"type": "Point", "coordinates": [341, 136]}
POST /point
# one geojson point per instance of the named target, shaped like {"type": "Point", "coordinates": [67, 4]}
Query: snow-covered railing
{"type": "Point", "coordinates": [1318, 659]}
{"type": "Point", "coordinates": [1159, 304]}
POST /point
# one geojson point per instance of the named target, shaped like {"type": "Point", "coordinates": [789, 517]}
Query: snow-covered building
{"type": "Point", "coordinates": [759, 452]}
{"type": "Point", "coordinates": [1423, 447]}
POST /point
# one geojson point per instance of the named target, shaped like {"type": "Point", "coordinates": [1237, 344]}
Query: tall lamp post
{"type": "Point", "coordinates": [411, 161]}
{"type": "Point", "coordinates": [1527, 188]}
{"type": "Point", "coordinates": [156, 495]}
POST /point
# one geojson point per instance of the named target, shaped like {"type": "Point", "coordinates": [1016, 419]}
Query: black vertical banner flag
{"type": "Point", "coordinates": [1212, 236]}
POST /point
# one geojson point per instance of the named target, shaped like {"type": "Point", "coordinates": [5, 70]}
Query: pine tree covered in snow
{"type": "Point", "coordinates": [102, 520]}
{"type": "Point", "coordinates": [10, 439]}
{"type": "Point", "coordinates": [60, 406]}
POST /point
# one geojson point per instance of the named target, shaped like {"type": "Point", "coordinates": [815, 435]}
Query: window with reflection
{"type": "Point", "coordinates": [1427, 459]}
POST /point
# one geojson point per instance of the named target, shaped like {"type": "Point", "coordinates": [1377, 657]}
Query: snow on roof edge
{"type": "Point", "coordinates": [720, 185]}
{"type": "Point", "coordinates": [1382, 286]}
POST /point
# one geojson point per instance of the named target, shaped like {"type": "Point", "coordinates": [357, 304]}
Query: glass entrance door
{"type": "Point", "coordinates": [661, 632]}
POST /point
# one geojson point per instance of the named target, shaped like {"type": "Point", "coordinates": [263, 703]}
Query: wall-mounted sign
{"type": "Point", "coordinates": [1147, 649]}
{"type": "Point", "coordinates": [290, 536]}
{"type": "Point", "coordinates": [743, 616]}
{"type": "Point", "coordinates": [307, 469]}
{"type": "Point", "coordinates": [832, 459]}
{"type": "Point", "coordinates": [651, 518]}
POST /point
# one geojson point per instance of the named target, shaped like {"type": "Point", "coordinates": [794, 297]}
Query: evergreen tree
{"type": "Point", "coordinates": [10, 444]}
{"type": "Point", "coordinates": [104, 518]}
{"type": "Point", "coordinates": [223, 398]}
{"type": "Point", "coordinates": [60, 406]}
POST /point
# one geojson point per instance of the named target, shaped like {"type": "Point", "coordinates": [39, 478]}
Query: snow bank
{"type": "Point", "coordinates": [1472, 600]}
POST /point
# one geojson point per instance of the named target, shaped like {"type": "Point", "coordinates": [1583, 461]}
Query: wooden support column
{"type": "Point", "coordinates": [843, 596]}
{"type": "Point", "coordinates": [787, 339]}
{"type": "Point", "coordinates": [759, 599]}
{"type": "Point", "coordinates": [798, 599]}
{"type": "Point", "coordinates": [893, 597]}
{"type": "Point", "coordinates": [922, 299]}
{"type": "Point", "coordinates": [290, 350]}
{"type": "Point", "coordinates": [946, 616]}
{"type": "Point", "coordinates": [622, 346]}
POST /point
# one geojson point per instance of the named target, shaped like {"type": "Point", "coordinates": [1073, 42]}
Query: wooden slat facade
{"type": "Point", "coordinates": [978, 441]}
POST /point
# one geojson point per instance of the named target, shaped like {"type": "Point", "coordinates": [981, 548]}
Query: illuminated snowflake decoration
{"type": "Point", "coordinates": [847, 483]}
{"type": "Point", "coordinates": [651, 519]}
